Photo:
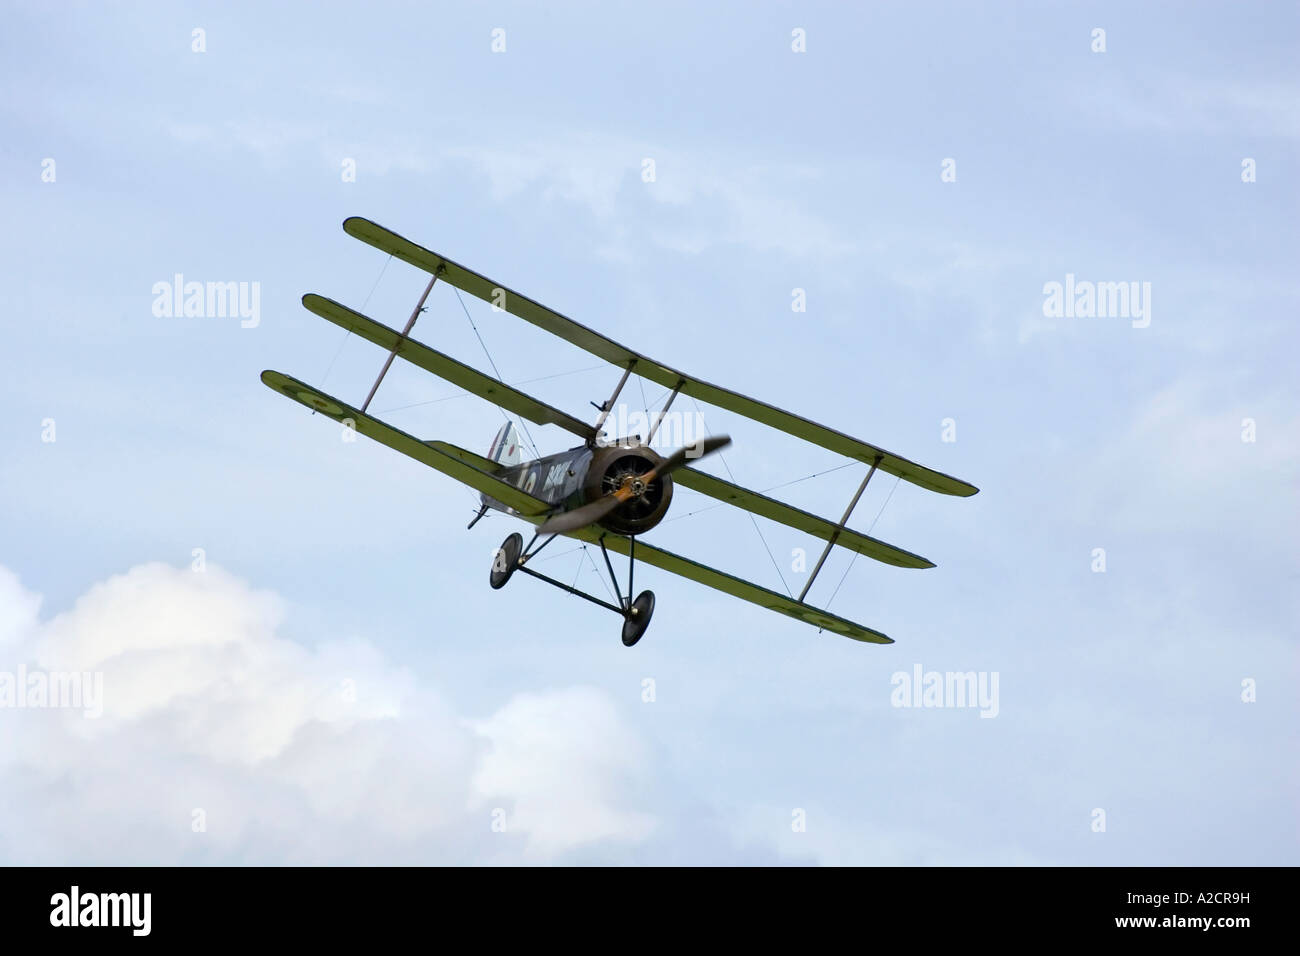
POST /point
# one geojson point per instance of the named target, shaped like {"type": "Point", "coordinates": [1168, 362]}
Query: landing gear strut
{"type": "Point", "coordinates": [513, 556]}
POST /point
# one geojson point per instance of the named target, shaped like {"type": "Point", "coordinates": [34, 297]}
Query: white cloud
{"type": "Point", "coordinates": [562, 756]}
{"type": "Point", "coordinates": [294, 753]}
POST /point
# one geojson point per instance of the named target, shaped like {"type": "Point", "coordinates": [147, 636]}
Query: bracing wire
{"type": "Point", "coordinates": [348, 334]}
{"type": "Point", "coordinates": [752, 519]}
{"type": "Point", "coordinates": [870, 528]}
{"type": "Point", "coordinates": [463, 394]}
{"type": "Point", "coordinates": [640, 381]}
{"type": "Point", "coordinates": [609, 590]}
{"type": "Point", "coordinates": [763, 491]}
{"type": "Point", "coordinates": [527, 434]}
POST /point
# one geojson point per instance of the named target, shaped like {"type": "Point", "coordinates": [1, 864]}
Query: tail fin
{"type": "Point", "coordinates": [505, 447]}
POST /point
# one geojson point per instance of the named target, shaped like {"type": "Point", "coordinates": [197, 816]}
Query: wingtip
{"type": "Point", "coordinates": [354, 226]}
{"type": "Point", "coordinates": [957, 488]}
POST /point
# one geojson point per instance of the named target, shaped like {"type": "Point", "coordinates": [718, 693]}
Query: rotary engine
{"type": "Point", "coordinates": [616, 465]}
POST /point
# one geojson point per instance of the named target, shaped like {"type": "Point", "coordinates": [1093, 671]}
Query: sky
{"type": "Point", "coordinates": [290, 648]}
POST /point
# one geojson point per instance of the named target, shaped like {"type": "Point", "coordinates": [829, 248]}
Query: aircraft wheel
{"type": "Point", "coordinates": [506, 560]}
{"type": "Point", "coordinates": [638, 619]}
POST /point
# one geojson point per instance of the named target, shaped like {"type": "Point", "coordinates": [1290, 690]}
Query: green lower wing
{"type": "Point", "coordinates": [736, 587]}
{"type": "Point", "coordinates": [486, 465]}
{"type": "Point", "coordinates": [428, 453]}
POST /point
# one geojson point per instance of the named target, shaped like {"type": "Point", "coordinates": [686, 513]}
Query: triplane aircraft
{"type": "Point", "coordinates": [602, 493]}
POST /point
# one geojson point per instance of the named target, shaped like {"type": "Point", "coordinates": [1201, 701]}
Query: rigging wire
{"type": "Point", "coordinates": [558, 554]}
{"type": "Point", "coordinates": [580, 566]}
{"type": "Point", "coordinates": [640, 381]}
{"type": "Point", "coordinates": [531, 443]}
{"type": "Point", "coordinates": [348, 334]}
{"type": "Point", "coordinates": [752, 519]}
{"type": "Point", "coordinates": [897, 482]}
{"type": "Point", "coordinates": [763, 491]}
{"type": "Point", "coordinates": [608, 589]}
{"type": "Point", "coordinates": [462, 393]}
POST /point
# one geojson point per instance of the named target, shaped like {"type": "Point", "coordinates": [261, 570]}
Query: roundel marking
{"type": "Point", "coordinates": [318, 403]}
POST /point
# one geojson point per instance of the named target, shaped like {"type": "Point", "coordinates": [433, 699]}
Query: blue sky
{"type": "Point", "coordinates": [331, 562]}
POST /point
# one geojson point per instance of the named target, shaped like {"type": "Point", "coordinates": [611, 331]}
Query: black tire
{"type": "Point", "coordinates": [506, 560]}
{"type": "Point", "coordinates": [638, 619]}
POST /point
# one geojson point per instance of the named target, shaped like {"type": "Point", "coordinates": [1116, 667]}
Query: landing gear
{"type": "Point", "coordinates": [638, 617]}
{"type": "Point", "coordinates": [513, 556]}
{"type": "Point", "coordinates": [506, 560]}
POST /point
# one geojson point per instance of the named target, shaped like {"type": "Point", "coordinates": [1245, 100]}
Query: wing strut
{"type": "Point", "coordinates": [667, 405]}
{"type": "Point", "coordinates": [410, 323]}
{"type": "Point", "coordinates": [838, 528]}
{"type": "Point", "coordinates": [609, 406]}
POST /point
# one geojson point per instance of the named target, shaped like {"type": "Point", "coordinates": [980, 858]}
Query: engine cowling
{"type": "Point", "coordinates": [609, 468]}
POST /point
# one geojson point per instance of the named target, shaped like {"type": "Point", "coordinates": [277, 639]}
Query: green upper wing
{"type": "Point", "coordinates": [611, 351]}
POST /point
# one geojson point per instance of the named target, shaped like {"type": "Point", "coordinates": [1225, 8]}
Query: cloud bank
{"type": "Point", "coordinates": [223, 738]}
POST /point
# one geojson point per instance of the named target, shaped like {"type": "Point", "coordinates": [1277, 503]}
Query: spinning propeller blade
{"type": "Point", "coordinates": [631, 487]}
